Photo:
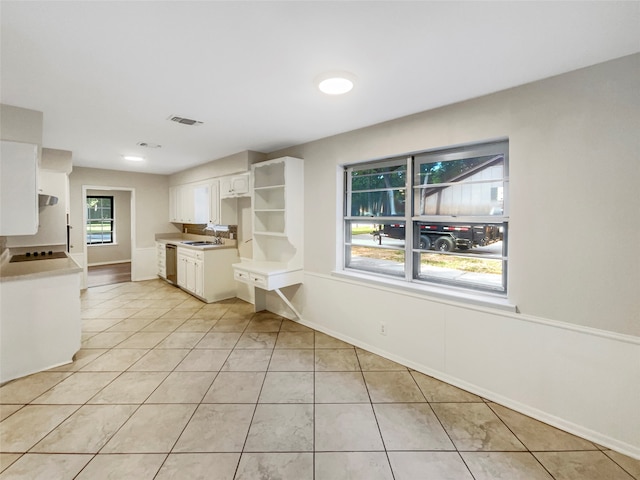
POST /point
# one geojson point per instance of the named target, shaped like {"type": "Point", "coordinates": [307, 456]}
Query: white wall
{"type": "Point", "coordinates": [571, 356]}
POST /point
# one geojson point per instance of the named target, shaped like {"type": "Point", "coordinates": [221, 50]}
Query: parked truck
{"type": "Point", "coordinates": [443, 237]}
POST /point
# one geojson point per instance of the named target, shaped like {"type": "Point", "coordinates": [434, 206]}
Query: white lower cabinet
{"type": "Point", "coordinates": [162, 259]}
{"type": "Point", "coordinates": [207, 273]}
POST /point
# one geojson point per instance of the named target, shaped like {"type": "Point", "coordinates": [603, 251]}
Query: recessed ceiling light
{"type": "Point", "coordinates": [335, 83]}
{"type": "Point", "coordinates": [133, 158]}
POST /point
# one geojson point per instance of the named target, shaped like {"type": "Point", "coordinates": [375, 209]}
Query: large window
{"type": "Point", "coordinates": [100, 220]}
{"type": "Point", "coordinates": [433, 217]}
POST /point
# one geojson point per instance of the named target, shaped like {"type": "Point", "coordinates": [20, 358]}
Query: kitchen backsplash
{"type": "Point", "coordinates": [199, 229]}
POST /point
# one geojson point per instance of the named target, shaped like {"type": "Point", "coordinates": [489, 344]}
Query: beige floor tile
{"type": "Point", "coordinates": [181, 340]}
{"type": "Point", "coordinates": [237, 325]}
{"type": "Point", "coordinates": [257, 340]}
{"type": "Point", "coordinates": [45, 467]}
{"type": "Point", "coordinates": [213, 311]}
{"type": "Point", "coordinates": [281, 466]}
{"type": "Point", "coordinates": [28, 426]}
{"type": "Point", "coordinates": [143, 340]}
{"type": "Point", "coordinates": [352, 465]}
{"type": "Point", "coordinates": [336, 360]}
{"type": "Point", "coordinates": [7, 459]}
{"type": "Point", "coordinates": [95, 312]}
{"type": "Point", "coordinates": [581, 466]}
{"type": "Point", "coordinates": [132, 324]}
{"type": "Point", "coordinates": [87, 430]}
{"type": "Point", "coordinates": [106, 339]}
{"type": "Point", "coordinates": [204, 360]}
{"type": "Point", "coordinates": [371, 361]}
{"type": "Point", "coordinates": [121, 313]}
{"type": "Point", "coordinates": [201, 325]}
{"type": "Point", "coordinates": [340, 387]}
{"type": "Point", "coordinates": [26, 389]}
{"type": "Point", "coordinates": [397, 386]}
{"type": "Point", "coordinates": [325, 341]}
{"type": "Point", "coordinates": [151, 313]}
{"type": "Point", "coordinates": [199, 466]}
{"type": "Point", "coordinates": [216, 428]}
{"type": "Point", "coordinates": [264, 324]}
{"type": "Point", "coordinates": [219, 340]}
{"type": "Point", "coordinates": [80, 359]}
{"type": "Point", "coordinates": [129, 388]}
{"type": "Point", "coordinates": [287, 387]}
{"type": "Point", "coordinates": [474, 426]}
{"type": "Point", "coordinates": [115, 360]}
{"type": "Point", "coordinates": [160, 360]}
{"type": "Point", "coordinates": [247, 361]}
{"type": "Point", "coordinates": [428, 466]}
{"type": "Point", "coordinates": [6, 410]}
{"type": "Point", "coordinates": [411, 426]}
{"type": "Point", "coordinates": [346, 427]}
{"type": "Point", "coordinates": [124, 466]}
{"type": "Point", "coordinates": [538, 436]}
{"type": "Point", "coordinates": [630, 465]}
{"type": "Point", "coordinates": [163, 324]}
{"type": "Point", "coordinates": [78, 388]}
{"type": "Point", "coordinates": [183, 387]}
{"type": "Point", "coordinates": [293, 326]}
{"type": "Point", "coordinates": [281, 428]}
{"type": "Point", "coordinates": [99, 324]}
{"type": "Point", "coordinates": [295, 340]}
{"type": "Point", "coordinates": [292, 360]}
{"type": "Point", "coordinates": [151, 429]}
{"type": "Point", "coordinates": [235, 387]}
{"type": "Point", "coordinates": [177, 313]}
{"type": "Point", "coordinates": [505, 466]}
{"type": "Point", "coordinates": [436, 391]}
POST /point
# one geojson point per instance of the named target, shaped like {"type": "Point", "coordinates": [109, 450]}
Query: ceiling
{"type": "Point", "coordinates": [107, 75]}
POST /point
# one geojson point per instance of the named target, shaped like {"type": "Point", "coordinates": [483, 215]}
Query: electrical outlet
{"type": "Point", "coordinates": [383, 328]}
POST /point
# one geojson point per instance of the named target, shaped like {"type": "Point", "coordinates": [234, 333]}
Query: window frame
{"type": "Point", "coordinates": [499, 222]}
{"type": "Point", "coordinates": [111, 221]}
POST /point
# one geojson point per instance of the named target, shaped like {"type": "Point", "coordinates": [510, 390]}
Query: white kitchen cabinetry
{"type": "Point", "coordinates": [207, 273]}
{"type": "Point", "coordinates": [277, 209]}
{"type": "Point", "coordinates": [18, 188]}
{"type": "Point", "coordinates": [214, 202]}
{"type": "Point", "coordinates": [161, 259]}
{"type": "Point", "coordinates": [189, 203]}
{"type": "Point", "coordinates": [234, 186]}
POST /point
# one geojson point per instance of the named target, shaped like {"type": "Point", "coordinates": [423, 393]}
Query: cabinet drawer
{"type": "Point", "coordinates": [259, 280]}
{"type": "Point", "coordinates": [241, 276]}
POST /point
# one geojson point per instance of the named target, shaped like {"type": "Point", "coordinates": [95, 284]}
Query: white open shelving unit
{"type": "Point", "coordinates": [277, 194]}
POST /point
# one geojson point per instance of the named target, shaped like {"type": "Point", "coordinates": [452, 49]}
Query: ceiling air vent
{"type": "Point", "coordinates": [184, 121]}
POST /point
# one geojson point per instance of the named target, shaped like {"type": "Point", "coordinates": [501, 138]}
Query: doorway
{"type": "Point", "coordinates": [108, 234]}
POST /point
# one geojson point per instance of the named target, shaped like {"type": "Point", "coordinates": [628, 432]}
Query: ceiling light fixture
{"type": "Point", "coordinates": [133, 158]}
{"type": "Point", "coordinates": [335, 83]}
{"type": "Point", "coordinates": [149, 145]}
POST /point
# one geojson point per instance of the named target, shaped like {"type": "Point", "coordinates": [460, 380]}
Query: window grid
{"type": "Point", "coordinates": [100, 220]}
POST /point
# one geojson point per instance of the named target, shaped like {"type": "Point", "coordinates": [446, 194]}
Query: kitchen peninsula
{"type": "Point", "coordinates": [40, 326]}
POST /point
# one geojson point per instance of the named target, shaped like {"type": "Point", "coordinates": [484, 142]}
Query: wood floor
{"type": "Point", "coordinates": [108, 274]}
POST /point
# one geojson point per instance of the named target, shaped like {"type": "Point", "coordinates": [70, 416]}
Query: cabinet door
{"type": "Point", "coordinates": [198, 287]}
{"type": "Point", "coordinates": [182, 271]}
{"type": "Point", "coordinates": [186, 204]}
{"type": "Point", "coordinates": [190, 283]}
{"type": "Point", "coordinates": [201, 203]}
{"type": "Point", "coordinates": [173, 204]}
{"type": "Point", "coordinates": [214, 203]}
{"type": "Point", "coordinates": [240, 184]}
{"type": "Point", "coordinates": [18, 188]}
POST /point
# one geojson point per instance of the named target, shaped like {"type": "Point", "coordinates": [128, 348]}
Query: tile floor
{"type": "Point", "coordinates": [166, 387]}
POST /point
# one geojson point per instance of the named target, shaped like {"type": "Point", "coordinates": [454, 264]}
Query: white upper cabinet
{"type": "Point", "coordinates": [18, 188]}
{"type": "Point", "coordinates": [234, 186]}
{"type": "Point", "coordinates": [189, 203]}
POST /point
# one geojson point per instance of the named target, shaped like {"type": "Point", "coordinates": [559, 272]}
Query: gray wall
{"type": "Point", "coordinates": [574, 196]}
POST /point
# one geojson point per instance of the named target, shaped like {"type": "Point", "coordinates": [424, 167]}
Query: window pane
{"type": "Point", "coordinates": [377, 248]}
{"type": "Point", "coordinates": [100, 220]}
{"type": "Point", "coordinates": [477, 272]}
{"type": "Point", "coordinates": [379, 191]}
{"type": "Point", "coordinates": [469, 186]}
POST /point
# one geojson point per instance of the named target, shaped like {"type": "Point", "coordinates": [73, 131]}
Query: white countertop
{"type": "Point", "coordinates": [36, 268]}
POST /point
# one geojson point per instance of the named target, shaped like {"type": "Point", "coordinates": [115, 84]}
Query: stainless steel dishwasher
{"type": "Point", "coordinates": [172, 263]}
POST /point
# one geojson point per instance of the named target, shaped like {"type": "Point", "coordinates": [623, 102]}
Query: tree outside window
{"type": "Point", "coordinates": [100, 220]}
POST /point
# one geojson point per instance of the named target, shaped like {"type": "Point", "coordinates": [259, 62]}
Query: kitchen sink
{"type": "Point", "coordinates": [201, 243]}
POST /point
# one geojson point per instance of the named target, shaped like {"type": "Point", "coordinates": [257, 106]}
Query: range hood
{"type": "Point", "coordinates": [46, 200]}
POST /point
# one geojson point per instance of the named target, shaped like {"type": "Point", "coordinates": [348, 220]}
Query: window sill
{"type": "Point", "coordinates": [443, 294]}
{"type": "Point", "coordinates": [115, 244]}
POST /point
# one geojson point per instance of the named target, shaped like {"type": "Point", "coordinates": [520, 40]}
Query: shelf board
{"type": "Point", "coordinates": [276, 210]}
{"type": "Point", "coordinates": [267, 187]}
{"type": "Point", "coordinates": [271, 234]}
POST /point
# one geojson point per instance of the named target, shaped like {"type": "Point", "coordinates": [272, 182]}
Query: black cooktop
{"type": "Point", "coordinates": [37, 255]}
